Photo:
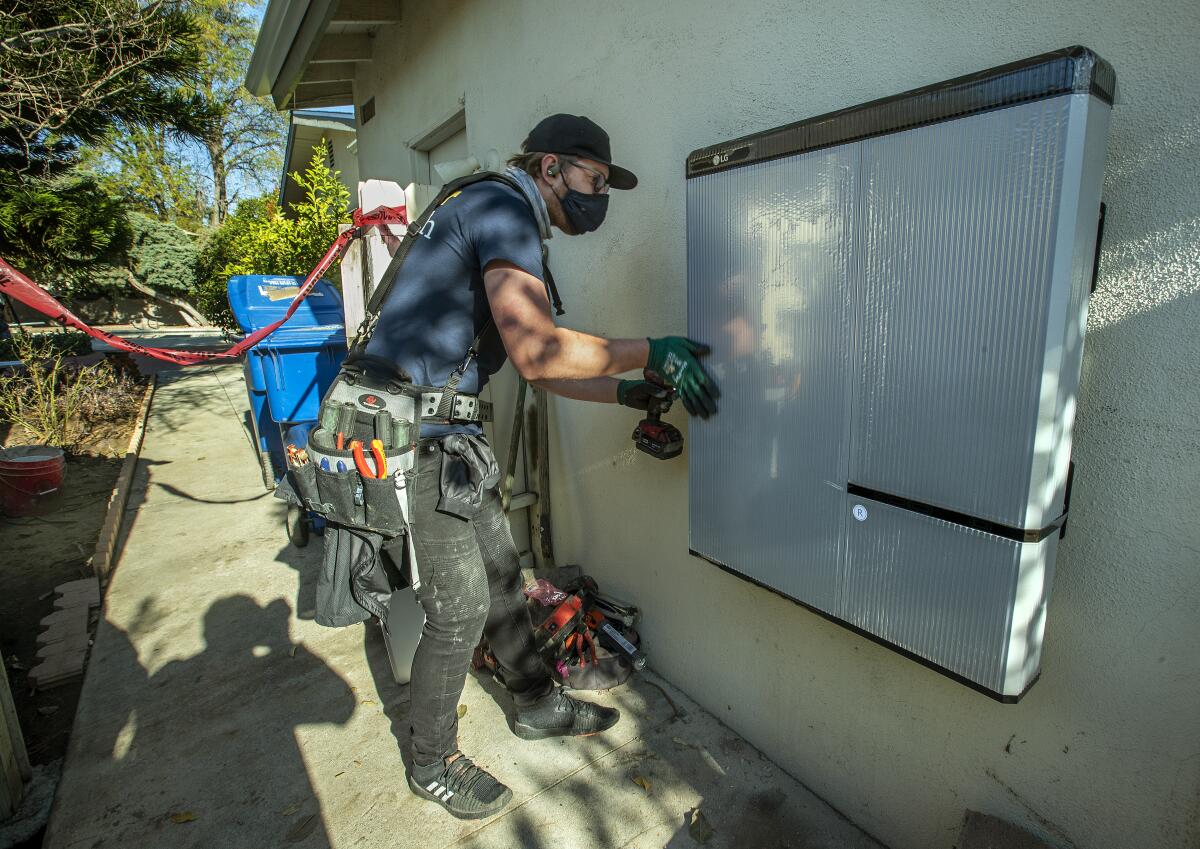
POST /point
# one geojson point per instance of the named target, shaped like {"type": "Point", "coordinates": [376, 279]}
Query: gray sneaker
{"type": "Point", "coordinates": [465, 790]}
{"type": "Point", "coordinates": [560, 715]}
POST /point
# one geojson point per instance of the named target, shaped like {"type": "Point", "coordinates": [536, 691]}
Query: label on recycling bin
{"type": "Point", "coordinates": [283, 293]}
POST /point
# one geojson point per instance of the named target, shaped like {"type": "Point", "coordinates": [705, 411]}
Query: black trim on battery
{"type": "Point", "coordinates": [965, 519]}
{"type": "Point", "coordinates": [1067, 71]}
{"type": "Point", "coordinates": [1099, 239]}
{"type": "Point", "coordinates": [875, 638]}
{"type": "Point", "coordinates": [1062, 531]}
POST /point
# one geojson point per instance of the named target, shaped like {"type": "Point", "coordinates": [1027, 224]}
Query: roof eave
{"type": "Point", "coordinates": [290, 32]}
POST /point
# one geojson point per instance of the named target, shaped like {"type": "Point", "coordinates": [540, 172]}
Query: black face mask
{"type": "Point", "coordinates": [584, 212]}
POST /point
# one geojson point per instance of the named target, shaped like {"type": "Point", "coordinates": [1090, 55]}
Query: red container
{"type": "Point", "coordinates": [30, 477]}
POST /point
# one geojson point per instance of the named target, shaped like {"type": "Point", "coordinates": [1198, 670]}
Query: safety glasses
{"type": "Point", "coordinates": [599, 181]}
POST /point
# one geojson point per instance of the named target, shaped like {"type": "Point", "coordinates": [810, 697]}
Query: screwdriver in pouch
{"type": "Point", "coordinates": [329, 416]}
{"type": "Point", "coordinates": [383, 428]}
{"type": "Point", "coordinates": [400, 433]}
{"type": "Point", "coordinates": [345, 425]}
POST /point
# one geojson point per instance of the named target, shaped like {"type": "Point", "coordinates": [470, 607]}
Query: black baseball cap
{"type": "Point", "coordinates": [575, 135]}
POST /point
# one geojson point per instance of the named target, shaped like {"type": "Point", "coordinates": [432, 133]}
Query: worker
{"type": "Point", "coordinates": [474, 281]}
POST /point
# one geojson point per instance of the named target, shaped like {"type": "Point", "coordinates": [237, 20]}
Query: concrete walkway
{"type": "Point", "coordinates": [216, 713]}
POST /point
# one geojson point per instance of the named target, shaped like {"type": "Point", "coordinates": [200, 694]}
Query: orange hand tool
{"type": "Point", "coordinates": [380, 458]}
{"type": "Point", "coordinates": [360, 459]}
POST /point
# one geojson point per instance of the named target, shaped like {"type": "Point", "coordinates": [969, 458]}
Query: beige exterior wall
{"type": "Point", "coordinates": [1104, 752]}
{"type": "Point", "coordinates": [346, 163]}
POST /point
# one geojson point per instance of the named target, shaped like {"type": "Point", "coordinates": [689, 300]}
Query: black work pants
{"type": "Point", "coordinates": [470, 585]}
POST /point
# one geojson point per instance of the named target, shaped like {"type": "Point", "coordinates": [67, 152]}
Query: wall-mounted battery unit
{"type": "Point", "coordinates": [896, 297]}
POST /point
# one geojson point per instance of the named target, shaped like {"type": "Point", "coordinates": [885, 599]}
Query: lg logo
{"type": "Point", "coordinates": [719, 158]}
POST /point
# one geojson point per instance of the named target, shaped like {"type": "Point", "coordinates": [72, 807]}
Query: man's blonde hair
{"type": "Point", "coordinates": [530, 163]}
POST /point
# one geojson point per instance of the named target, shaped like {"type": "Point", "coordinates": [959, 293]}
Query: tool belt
{"type": "Point", "coordinates": [357, 467]}
{"type": "Point", "coordinates": [360, 460]}
{"type": "Point", "coordinates": [459, 407]}
{"type": "Point", "coordinates": [587, 638]}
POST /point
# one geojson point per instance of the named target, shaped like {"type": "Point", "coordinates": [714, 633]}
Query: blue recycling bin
{"type": "Point", "coordinates": [288, 372]}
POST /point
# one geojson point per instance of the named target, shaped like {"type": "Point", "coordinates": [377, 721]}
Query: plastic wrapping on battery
{"type": "Point", "coordinates": [901, 314]}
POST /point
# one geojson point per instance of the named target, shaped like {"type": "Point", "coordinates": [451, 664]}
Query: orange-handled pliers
{"type": "Point", "coordinates": [360, 459]}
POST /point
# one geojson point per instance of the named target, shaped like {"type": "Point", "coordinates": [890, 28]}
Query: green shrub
{"type": "Point", "coordinates": [258, 239]}
{"type": "Point", "coordinates": [161, 255]}
{"type": "Point", "coordinates": [61, 231]}
{"type": "Point", "coordinates": [70, 343]}
{"type": "Point", "coordinates": [53, 400]}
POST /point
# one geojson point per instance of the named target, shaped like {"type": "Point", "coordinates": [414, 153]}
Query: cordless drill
{"type": "Point", "coordinates": [654, 436]}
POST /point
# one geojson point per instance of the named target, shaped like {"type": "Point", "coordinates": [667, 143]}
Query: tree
{"type": "Point", "coordinates": [241, 134]}
{"type": "Point", "coordinates": [235, 140]}
{"type": "Point", "coordinates": [70, 71]}
{"type": "Point", "coordinates": [144, 166]}
{"type": "Point", "coordinates": [60, 228]}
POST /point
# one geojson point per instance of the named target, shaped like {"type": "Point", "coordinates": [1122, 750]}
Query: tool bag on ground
{"type": "Point", "coordinates": [359, 465]}
{"type": "Point", "coordinates": [587, 638]}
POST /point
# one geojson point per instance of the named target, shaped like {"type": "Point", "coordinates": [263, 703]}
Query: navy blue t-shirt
{"type": "Point", "coordinates": [438, 305]}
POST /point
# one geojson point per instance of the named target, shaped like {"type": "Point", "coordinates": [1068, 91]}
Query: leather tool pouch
{"type": "Point", "coordinates": [362, 406]}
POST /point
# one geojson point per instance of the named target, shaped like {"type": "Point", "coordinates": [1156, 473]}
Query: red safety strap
{"type": "Point", "coordinates": [20, 288]}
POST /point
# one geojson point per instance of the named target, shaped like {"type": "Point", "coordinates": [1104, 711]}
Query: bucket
{"type": "Point", "coordinates": [30, 475]}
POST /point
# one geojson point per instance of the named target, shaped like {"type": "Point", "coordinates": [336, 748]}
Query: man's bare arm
{"type": "Point", "coordinates": [539, 349]}
{"type": "Point", "coordinates": [390, 240]}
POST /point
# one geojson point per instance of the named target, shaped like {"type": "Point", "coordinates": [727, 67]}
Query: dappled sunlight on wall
{"type": "Point", "coordinates": [1145, 273]}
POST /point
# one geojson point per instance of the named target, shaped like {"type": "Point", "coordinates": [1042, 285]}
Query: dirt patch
{"type": "Point", "coordinates": [41, 552]}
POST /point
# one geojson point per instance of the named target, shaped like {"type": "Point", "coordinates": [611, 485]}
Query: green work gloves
{"type": "Point", "coordinates": [638, 393]}
{"type": "Point", "coordinates": [676, 360]}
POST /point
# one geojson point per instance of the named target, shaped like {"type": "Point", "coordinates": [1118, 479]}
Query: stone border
{"type": "Point", "coordinates": [102, 559]}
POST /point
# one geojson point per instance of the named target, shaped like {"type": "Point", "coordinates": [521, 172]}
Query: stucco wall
{"type": "Point", "coordinates": [345, 162]}
{"type": "Point", "coordinates": [1104, 752]}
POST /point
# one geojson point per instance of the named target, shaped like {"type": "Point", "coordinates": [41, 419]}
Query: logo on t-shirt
{"type": "Point", "coordinates": [427, 230]}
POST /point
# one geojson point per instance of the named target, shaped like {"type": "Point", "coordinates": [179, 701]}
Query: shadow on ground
{"type": "Point", "coordinates": [248, 689]}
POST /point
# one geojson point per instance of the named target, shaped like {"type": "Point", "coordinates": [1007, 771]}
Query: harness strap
{"type": "Point", "coordinates": [450, 401]}
{"type": "Point", "coordinates": [550, 287]}
{"type": "Point", "coordinates": [391, 273]}
{"type": "Point", "coordinates": [446, 408]}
